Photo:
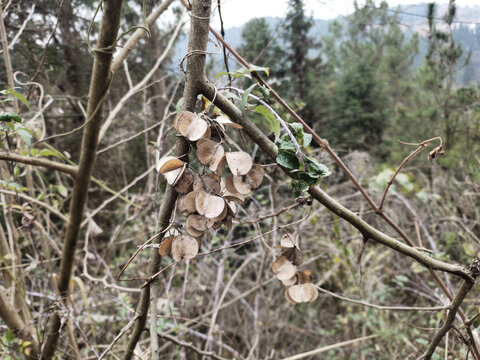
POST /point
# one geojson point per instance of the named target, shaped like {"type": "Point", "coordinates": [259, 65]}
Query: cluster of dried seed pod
{"type": "Point", "coordinates": [208, 200]}
{"type": "Point", "coordinates": [299, 287]}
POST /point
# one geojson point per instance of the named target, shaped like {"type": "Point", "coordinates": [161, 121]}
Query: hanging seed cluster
{"type": "Point", "coordinates": [208, 200]}
{"type": "Point", "coordinates": [299, 286]}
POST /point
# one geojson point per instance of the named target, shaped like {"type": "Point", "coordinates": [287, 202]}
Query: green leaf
{"type": "Point", "coordinates": [265, 92]}
{"type": "Point", "coordinates": [48, 152]}
{"type": "Point", "coordinates": [259, 68]}
{"type": "Point", "coordinates": [62, 190]}
{"type": "Point", "coordinates": [297, 129]}
{"type": "Point", "coordinates": [307, 139]}
{"type": "Point", "coordinates": [26, 135]}
{"type": "Point", "coordinates": [245, 96]}
{"type": "Point", "coordinates": [178, 106]}
{"type": "Point", "coordinates": [10, 336]}
{"type": "Point", "coordinates": [288, 160]}
{"type": "Point", "coordinates": [315, 169]}
{"type": "Point", "coordinates": [19, 96]}
{"type": "Point", "coordinates": [298, 187]}
{"type": "Point", "coordinates": [9, 117]}
{"type": "Point", "coordinates": [285, 145]}
{"type": "Point", "coordinates": [267, 114]}
{"type": "Point", "coordinates": [16, 171]}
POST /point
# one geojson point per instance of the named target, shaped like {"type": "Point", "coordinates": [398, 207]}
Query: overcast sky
{"type": "Point", "coordinates": [238, 12]}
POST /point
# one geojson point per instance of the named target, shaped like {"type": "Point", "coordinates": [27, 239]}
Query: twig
{"type": "Point", "coordinates": [109, 200]}
{"type": "Point", "coordinates": [189, 346]}
{"type": "Point", "coordinates": [421, 146]}
{"type": "Point", "coordinates": [139, 86]}
{"type": "Point", "coordinates": [120, 334]}
{"type": "Point", "coordinates": [381, 307]}
{"type": "Point", "coordinates": [329, 347]}
{"type": "Point", "coordinates": [49, 164]}
{"type": "Point", "coordinates": [455, 305]}
{"type": "Point", "coordinates": [35, 201]}
{"type": "Point", "coordinates": [123, 141]}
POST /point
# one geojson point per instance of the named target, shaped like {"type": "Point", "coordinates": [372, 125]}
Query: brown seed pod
{"type": "Point", "coordinates": [170, 165]}
{"type": "Point", "coordinates": [293, 255]}
{"type": "Point", "coordinates": [218, 164]}
{"type": "Point", "coordinates": [303, 293]}
{"type": "Point", "coordinates": [199, 222]}
{"type": "Point", "coordinates": [283, 268]}
{"type": "Point", "coordinates": [184, 247]}
{"type": "Point", "coordinates": [255, 176]}
{"type": "Point", "coordinates": [209, 183]}
{"type": "Point", "coordinates": [211, 206]}
{"type": "Point", "coordinates": [224, 120]}
{"type": "Point", "coordinates": [184, 183]}
{"type": "Point", "coordinates": [206, 150]}
{"type": "Point", "coordinates": [304, 276]}
{"type": "Point", "coordinates": [166, 246]}
{"type": "Point", "coordinates": [241, 184]}
{"type": "Point", "coordinates": [172, 175]}
{"type": "Point", "coordinates": [239, 162]}
{"type": "Point", "coordinates": [189, 125]}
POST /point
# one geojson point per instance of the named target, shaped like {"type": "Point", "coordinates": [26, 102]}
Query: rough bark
{"type": "Point", "coordinates": [197, 45]}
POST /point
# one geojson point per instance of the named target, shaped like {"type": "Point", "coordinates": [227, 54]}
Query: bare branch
{"type": "Point", "coordinates": [49, 164]}
{"type": "Point", "coordinates": [189, 346]}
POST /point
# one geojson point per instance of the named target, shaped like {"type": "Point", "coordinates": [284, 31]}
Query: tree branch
{"type": "Point", "coordinates": [457, 301]}
{"type": "Point", "coordinates": [269, 148]}
{"type": "Point", "coordinates": [189, 346]}
{"type": "Point", "coordinates": [49, 164]}
{"type": "Point", "coordinates": [197, 45]}
{"type": "Point", "coordinates": [100, 80]}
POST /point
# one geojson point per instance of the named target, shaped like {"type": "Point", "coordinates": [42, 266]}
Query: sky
{"type": "Point", "coordinates": [238, 12]}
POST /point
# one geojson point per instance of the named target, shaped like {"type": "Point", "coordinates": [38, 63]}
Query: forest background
{"type": "Point", "coordinates": [362, 81]}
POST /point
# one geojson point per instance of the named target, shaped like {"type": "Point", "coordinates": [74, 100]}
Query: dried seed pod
{"type": "Point", "coordinates": [166, 246]}
{"type": "Point", "coordinates": [218, 164]}
{"type": "Point", "coordinates": [172, 175]}
{"type": "Point", "coordinates": [199, 222]}
{"type": "Point", "coordinates": [184, 183]}
{"type": "Point", "coordinates": [222, 216]}
{"type": "Point", "coordinates": [170, 165]}
{"type": "Point", "coordinates": [224, 120]}
{"type": "Point", "coordinates": [288, 297]}
{"type": "Point", "coordinates": [294, 255]}
{"type": "Point", "coordinates": [239, 162]}
{"type": "Point", "coordinates": [211, 206]}
{"type": "Point", "coordinates": [255, 176]}
{"type": "Point", "coordinates": [291, 281]}
{"type": "Point", "coordinates": [242, 184]}
{"type": "Point", "coordinates": [206, 151]}
{"type": "Point", "coordinates": [187, 203]}
{"type": "Point", "coordinates": [287, 241]}
{"type": "Point", "coordinates": [283, 268]}
{"type": "Point", "coordinates": [304, 276]}
{"type": "Point", "coordinates": [183, 120]}
{"type": "Point", "coordinates": [303, 293]}
{"type": "Point", "coordinates": [184, 247]}
{"type": "Point", "coordinates": [209, 183]}
{"type": "Point", "coordinates": [189, 125]}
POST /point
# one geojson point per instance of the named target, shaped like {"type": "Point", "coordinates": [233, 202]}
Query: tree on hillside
{"type": "Point", "coordinates": [366, 62]}
{"type": "Point", "coordinates": [298, 43]}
